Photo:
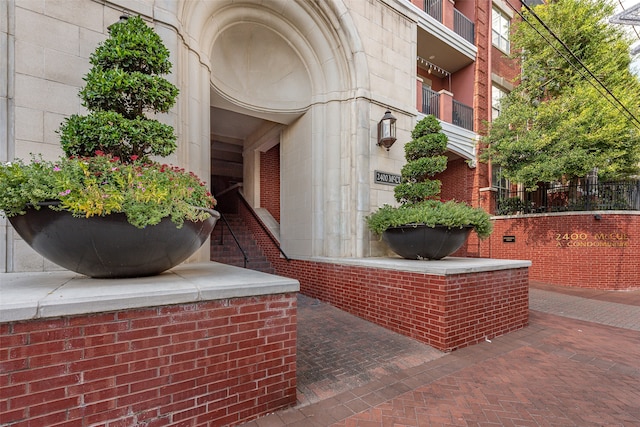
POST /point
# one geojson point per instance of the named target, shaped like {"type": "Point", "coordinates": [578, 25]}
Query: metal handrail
{"type": "Point", "coordinates": [430, 102]}
{"type": "Point", "coordinates": [259, 221]}
{"type": "Point", "coordinates": [244, 254]}
{"type": "Point", "coordinates": [463, 26]}
{"type": "Point", "coordinates": [462, 115]}
{"type": "Point", "coordinates": [433, 9]}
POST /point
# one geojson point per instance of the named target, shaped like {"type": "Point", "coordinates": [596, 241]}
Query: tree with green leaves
{"type": "Point", "coordinates": [123, 85]}
{"type": "Point", "coordinates": [561, 122]}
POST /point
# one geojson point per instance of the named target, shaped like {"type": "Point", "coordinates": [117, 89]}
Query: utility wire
{"type": "Point", "coordinates": [555, 36]}
{"type": "Point", "coordinates": [633, 27]}
{"type": "Point", "coordinates": [635, 50]}
{"type": "Point", "coordinates": [619, 106]}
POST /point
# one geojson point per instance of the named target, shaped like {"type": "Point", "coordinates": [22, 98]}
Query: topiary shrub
{"type": "Point", "coordinates": [418, 193]}
{"type": "Point", "coordinates": [123, 85]}
{"type": "Point", "coordinates": [107, 168]}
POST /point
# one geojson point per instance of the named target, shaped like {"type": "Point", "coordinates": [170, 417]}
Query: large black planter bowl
{"type": "Point", "coordinates": [108, 246]}
{"type": "Point", "coordinates": [424, 242]}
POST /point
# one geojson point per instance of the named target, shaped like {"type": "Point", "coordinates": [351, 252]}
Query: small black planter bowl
{"type": "Point", "coordinates": [108, 246]}
{"type": "Point", "coordinates": [424, 242]}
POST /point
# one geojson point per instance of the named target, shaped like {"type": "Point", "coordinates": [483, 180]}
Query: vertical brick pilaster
{"type": "Point", "coordinates": [270, 181]}
{"type": "Point", "coordinates": [419, 99]}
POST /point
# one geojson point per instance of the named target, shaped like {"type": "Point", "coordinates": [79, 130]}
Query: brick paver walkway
{"type": "Point", "coordinates": [559, 371]}
{"type": "Point", "coordinates": [338, 351]}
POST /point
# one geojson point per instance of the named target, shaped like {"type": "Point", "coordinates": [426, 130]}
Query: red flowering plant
{"type": "Point", "coordinates": [108, 167]}
{"type": "Point", "coordinates": [100, 185]}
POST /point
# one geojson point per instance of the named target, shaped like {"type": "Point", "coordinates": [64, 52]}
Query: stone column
{"type": "Point", "coordinates": [6, 114]}
{"type": "Point", "coordinates": [190, 117]}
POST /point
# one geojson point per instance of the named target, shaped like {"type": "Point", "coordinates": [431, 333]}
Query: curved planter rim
{"type": "Point", "coordinates": [420, 241]}
{"type": "Point", "coordinates": [109, 246]}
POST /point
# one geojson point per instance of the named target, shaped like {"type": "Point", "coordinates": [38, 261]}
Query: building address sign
{"type": "Point", "coordinates": [592, 240]}
{"type": "Point", "coordinates": [387, 178]}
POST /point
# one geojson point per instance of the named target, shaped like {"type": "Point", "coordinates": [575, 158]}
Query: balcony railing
{"type": "Point", "coordinates": [462, 115]}
{"type": "Point", "coordinates": [430, 102]}
{"type": "Point", "coordinates": [583, 196]}
{"type": "Point", "coordinates": [434, 9]}
{"type": "Point", "coordinates": [463, 26]}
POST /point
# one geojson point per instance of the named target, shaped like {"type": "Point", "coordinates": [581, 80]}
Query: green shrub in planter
{"type": "Point", "coordinates": [123, 85]}
{"type": "Point", "coordinates": [107, 168]}
{"type": "Point", "coordinates": [418, 194]}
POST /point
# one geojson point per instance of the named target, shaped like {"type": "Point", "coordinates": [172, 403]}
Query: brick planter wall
{"type": "Point", "coordinates": [572, 249]}
{"type": "Point", "coordinates": [444, 311]}
{"type": "Point", "coordinates": [208, 364]}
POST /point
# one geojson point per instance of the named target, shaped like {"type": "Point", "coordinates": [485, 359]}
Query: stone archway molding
{"type": "Point", "coordinates": [302, 64]}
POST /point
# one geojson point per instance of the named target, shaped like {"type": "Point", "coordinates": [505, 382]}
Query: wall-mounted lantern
{"type": "Point", "coordinates": [387, 130]}
{"type": "Point", "coordinates": [123, 18]}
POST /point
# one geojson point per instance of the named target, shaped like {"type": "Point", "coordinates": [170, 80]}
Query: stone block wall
{"type": "Point", "coordinates": [209, 363]}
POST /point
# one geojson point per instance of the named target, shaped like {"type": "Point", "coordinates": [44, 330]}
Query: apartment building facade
{"type": "Point", "coordinates": [282, 97]}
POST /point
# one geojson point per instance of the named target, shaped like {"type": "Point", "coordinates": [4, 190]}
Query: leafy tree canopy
{"type": "Point", "coordinates": [558, 122]}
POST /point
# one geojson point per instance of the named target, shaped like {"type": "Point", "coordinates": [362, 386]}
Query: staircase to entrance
{"type": "Point", "coordinates": [225, 250]}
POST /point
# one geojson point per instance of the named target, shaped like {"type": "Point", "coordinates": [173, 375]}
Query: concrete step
{"type": "Point", "coordinates": [226, 250]}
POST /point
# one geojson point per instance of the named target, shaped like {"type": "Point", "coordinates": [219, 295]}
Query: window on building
{"type": "Point", "coordinates": [500, 30]}
{"type": "Point", "coordinates": [497, 93]}
{"type": "Point", "coordinates": [498, 181]}
{"type": "Point", "coordinates": [500, 184]}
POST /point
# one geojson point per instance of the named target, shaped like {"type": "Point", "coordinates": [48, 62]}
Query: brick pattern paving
{"type": "Point", "coordinates": [603, 312]}
{"type": "Point", "coordinates": [558, 371]}
{"type": "Point", "coordinates": [548, 385]}
{"type": "Point", "coordinates": [337, 351]}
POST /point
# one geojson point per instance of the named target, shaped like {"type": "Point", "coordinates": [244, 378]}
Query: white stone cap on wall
{"type": "Point", "coordinates": [25, 296]}
{"type": "Point", "coordinates": [442, 267]}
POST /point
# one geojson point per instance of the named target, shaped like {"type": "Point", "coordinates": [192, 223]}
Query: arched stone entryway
{"type": "Point", "coordinates": [298, 68]}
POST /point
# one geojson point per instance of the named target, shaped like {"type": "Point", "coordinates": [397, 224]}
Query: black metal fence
{"type": "Point", "coordinates": [582, 196]}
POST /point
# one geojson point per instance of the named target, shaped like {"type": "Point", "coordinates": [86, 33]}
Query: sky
{"type": "Point", "coordinates": [634, 31]}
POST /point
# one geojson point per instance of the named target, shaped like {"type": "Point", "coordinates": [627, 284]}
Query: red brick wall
{"type": "Point", "coordinates": [207, 364]}
{"type": "Point", "coordinates": [482, 99]}
{"type": "Point", "coordinates": [573, 250]}
{"type": "Point", "coordinates": [418, 3]}
{"type": "Point", "coordinates": [446, 312]}
{"type": "Point", "coordinates": [270, 181]}
{"type": "Point", "coordinates": [504, 66]}
{"type": "Point", "coordinates": [457, 181]}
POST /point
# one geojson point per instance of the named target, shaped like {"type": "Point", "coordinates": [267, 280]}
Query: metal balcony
{"type": "Point", "coordinates": [462, 115]}
{"type": "Point", "coordinates": [463, 26]}
{"type": "Point", "coordinates": [430, 102]}
{"type": "Point", "coordinates": [433, 9]}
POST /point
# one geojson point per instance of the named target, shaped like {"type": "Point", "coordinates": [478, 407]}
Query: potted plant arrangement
{"type": "Point", "coordinates": [423, 226]}
{"type": "Point", "coordinates": [107, 209]}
